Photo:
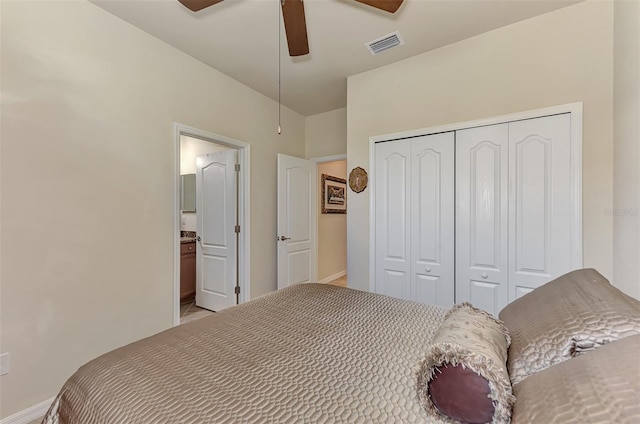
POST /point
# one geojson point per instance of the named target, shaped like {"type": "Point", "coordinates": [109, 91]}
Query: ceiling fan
{"type": "Point", "coordinates": [295, 24]}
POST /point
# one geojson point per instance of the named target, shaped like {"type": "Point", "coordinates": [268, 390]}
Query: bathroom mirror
{"type": "Point", "coordinates": [188, 193]}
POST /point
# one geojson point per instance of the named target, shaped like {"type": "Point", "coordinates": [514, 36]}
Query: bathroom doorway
{"type": "Point", "coordinates": [191, 276]}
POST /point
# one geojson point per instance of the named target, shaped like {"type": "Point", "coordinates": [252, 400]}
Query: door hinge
{"type": "Point", "coordinates": [237, 167]}
{"type": "Point", "coordinates": [237, 289]}
{"type": "Point", "coordinates": [237, 229]}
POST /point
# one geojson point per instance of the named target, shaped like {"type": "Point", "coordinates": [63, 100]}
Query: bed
{"type": "Point", "coordinates": [307, 353]}
{"type": "Point", "coordinates": [313, 353]}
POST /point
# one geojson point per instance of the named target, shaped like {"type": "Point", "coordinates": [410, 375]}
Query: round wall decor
{"type": "Point", "coordinates": [358, 179]}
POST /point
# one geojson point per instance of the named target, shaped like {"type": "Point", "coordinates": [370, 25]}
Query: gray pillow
{"type": "Point", "coordinates": [602, 386]}
{"type": "Point", "coordinates": [566, 317]}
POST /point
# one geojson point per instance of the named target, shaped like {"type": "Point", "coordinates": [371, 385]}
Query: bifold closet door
{"type": "Point", "coordinates": [432, 219]}
{"type": "Point", "coordinates": [540, 202]}
{"type": "Point", "coordinates": [393, 219]}
{"type": "Point", "coordinates": [482, 172]}
{"type": "Point", "coordinates": [514, 209]}
{"type": "Point", "coordinates": [414, 218]}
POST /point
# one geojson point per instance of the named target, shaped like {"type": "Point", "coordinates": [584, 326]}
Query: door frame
{"type": "Point", "coordinates": [244, 238]}
{"type": "Point", "coordinates": [576, 111]}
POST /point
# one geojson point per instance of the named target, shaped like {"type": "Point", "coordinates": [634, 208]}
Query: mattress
{"type": "Point", "coordinates": [308, 353]}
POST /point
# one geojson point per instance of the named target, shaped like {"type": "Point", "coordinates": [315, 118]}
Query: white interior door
{"type": "Point", "coordinates": [216, 248]}
{"type": "Point", "coordinates": [482, 172]}
{"type": "Point", "coordinates": [432, 219]}
{"type": "Point", "coordinates": [297, 208]}
{"type": "Point", "coordinates": [540, 202]}
{"type": "Point", "coordinates": [393, 219]}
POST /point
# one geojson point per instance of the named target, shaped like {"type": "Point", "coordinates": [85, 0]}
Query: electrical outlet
{"type": "Point", "coordinates": [4, 363]}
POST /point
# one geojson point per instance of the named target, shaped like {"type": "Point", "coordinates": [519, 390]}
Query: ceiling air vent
{"type": "Point", "coordinates": [385, 43]}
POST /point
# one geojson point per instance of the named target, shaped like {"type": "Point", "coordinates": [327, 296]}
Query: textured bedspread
{"type": "Point", "coordinates": [309, 353]}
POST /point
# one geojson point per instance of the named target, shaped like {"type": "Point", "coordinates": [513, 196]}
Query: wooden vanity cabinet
{"type": "Point", "coordinates": [187, 271]}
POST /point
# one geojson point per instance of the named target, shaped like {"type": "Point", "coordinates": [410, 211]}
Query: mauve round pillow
{"type": "Point", "coordinates": [461, 394]}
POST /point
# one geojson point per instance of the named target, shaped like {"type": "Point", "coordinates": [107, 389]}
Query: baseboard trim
{"type": "Point", "coordinates": [333, 277]}
{"type": "Point", "coordinates": [27, 415]}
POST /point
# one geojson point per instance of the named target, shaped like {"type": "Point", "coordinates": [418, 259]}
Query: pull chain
{"type": "Point", "coordinates": [279, 63]}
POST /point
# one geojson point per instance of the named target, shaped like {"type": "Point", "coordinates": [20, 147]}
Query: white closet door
{"type": "Point", "coordinates": [392, 219]}
{"type": "Point", "coordinates": [540, 202]}
{"type": "Point", "coordinates": [482, 217]}
{"type": "Point", "coordinates": [432, 219]}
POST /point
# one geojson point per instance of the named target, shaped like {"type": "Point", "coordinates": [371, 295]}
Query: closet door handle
{"type": "Point", "coordinates": [485, 275]}
{"type": "Point", "coordinates": [428, 269]}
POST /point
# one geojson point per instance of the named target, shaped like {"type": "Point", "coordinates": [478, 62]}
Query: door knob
{"type": "Point", "coordinates": [484, 275]}
{"type": "Point", "coordinates": [198, 238]}
{"type": "Point", "coordinates": [428, 270]}
{"type": "Point", "coordinates": [283, 238]}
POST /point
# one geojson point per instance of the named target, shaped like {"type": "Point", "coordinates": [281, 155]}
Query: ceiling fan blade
{"type": "Point", "coordinates": [387, 5]}
{"type": "Point", "coordinates": [295, 25]}
{"type": "Point", "coordinates": [195, 5]}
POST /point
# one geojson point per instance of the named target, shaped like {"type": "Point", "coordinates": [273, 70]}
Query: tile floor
{"type": "Point", "coordinates": [190, 312]}
{"type": "Point", "coordinates": [342, 281]}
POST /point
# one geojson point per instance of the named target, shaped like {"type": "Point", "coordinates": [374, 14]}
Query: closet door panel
{"type": "Point", "coordinates": [486, 295]}
{"type": "Point", "coordinates": [521, 291]}
{"type": "Point", "coordinates": [540, 202]}
{"type": "Point", "coordinates": [432, 219]}
{"type": "Point", "coordinates": [392, 219]}
{"type": "Point", "coordinates": [481, 216]}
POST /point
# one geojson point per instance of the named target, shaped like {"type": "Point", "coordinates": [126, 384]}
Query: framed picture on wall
{"type": "Point", "coordinates": [334, 194]}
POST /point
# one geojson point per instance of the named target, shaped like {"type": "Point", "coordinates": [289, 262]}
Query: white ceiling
{"type": "Point", "coordinates": [240, 38]}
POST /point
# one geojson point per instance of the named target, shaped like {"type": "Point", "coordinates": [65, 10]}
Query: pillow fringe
{"type": "Point", "coordinates": [449, 353]}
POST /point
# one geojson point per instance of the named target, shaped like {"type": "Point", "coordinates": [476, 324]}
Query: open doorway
{"type": "Point", "coordinates": [332, 222]}
{"type": "Point", "coordinates": [197, 193]}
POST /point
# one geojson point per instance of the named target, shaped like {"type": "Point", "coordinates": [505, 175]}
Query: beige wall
{"type": "Point", "coordinates": [87, 173]}
{"type": "Point", "coordinates": [326, 133]}
{"type": "Point", "coordinates": [332, 227]}
{"type": "Point", "coordinates": [626, 147]}
{"type": "Point", "coordinates": [561, 57]}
